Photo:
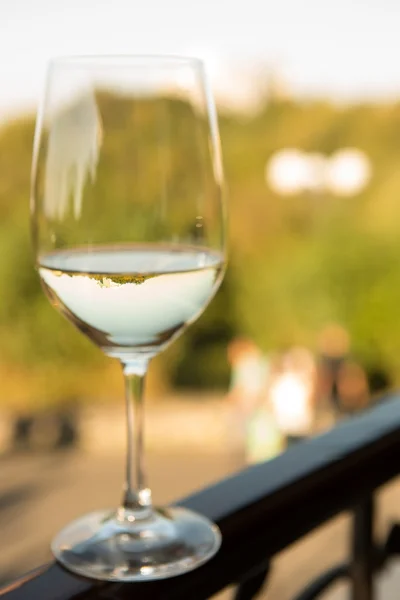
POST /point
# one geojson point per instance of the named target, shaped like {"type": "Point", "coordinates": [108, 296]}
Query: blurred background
{"type": "Point", "coordinates": [304, 331]}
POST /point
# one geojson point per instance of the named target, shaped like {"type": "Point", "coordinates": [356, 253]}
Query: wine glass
{"type": "Point", "coordinates": [128, 224]}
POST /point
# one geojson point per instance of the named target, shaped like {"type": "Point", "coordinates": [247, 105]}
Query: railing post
{"type": "Point", "coordinates": [363, 551]}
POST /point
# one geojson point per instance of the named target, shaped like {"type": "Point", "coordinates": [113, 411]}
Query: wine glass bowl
{"type": "Point", "coordinates": [128, 223]}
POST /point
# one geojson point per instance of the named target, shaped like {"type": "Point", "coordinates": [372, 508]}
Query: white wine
{"type": "Point", "coordinates": [131, 298]}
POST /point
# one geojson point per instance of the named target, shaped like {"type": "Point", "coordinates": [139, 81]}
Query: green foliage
{"type": "Point", "coordinates": [295, 263]}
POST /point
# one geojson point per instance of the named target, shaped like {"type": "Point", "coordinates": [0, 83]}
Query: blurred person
{"type": "Point", "coordinates": [379, 380]}
{"type": "Point", "coordinates": [292, 394]}
{"type": "Point", "coordinates": [21, 432]}
{"type": "Point", "coordinates": [264, 438]}
{"type": "Point", "coordinates": [249, 372]}
{"type": "Point", "coordinates": [353, 388]}
{"type": "Point", "coordinates": [333, 353]}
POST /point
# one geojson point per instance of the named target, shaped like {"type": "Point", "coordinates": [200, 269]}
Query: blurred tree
{"type": "Point", "coordinates": [295, 264]}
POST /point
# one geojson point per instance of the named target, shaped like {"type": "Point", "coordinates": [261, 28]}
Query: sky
{"type": "Point", "coordinates": [344, 49]}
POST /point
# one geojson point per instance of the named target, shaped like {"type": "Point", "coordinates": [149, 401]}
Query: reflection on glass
{"type": "Point", "coordinates": [72, 156]}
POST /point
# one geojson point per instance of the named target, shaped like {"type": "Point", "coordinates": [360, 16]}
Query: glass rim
{"type": "Point", "coordinates": [120, 60]}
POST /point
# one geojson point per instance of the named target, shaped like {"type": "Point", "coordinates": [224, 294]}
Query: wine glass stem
{"type": "Point", "coordinates": [137, 496]}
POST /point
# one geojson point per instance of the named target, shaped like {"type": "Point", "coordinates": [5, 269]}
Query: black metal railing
{"type": "Point", "coordinates": [264, 509]}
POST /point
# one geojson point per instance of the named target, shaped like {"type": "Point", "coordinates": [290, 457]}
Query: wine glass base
{"type": "Point", "coordinates": [167, 542]}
